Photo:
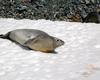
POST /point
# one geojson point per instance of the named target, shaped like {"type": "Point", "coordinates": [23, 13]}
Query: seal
{"type": "Point", "coordinates": [34, 39]}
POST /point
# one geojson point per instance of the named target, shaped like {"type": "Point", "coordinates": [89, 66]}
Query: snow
{"type": "Point", "coordinates": [77, 59]}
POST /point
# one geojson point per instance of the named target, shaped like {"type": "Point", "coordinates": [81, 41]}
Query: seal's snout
{"type": "Point", "coordinates": [61, 42]}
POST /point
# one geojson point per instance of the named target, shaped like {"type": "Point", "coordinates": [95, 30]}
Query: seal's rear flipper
{"type": "Point", "coordinates": [2, 36]}
{"type": "Point", "coordinates": [5, 36]}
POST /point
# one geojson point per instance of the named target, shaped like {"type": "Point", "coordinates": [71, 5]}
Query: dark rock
{"type": "Point", "coordinates": [92, 17]}
{"type": "Point", "coordinates": [68, 10]}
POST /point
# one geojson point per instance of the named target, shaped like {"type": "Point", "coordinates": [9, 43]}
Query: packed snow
{"type": "Point", "coordinates": [77, 59]}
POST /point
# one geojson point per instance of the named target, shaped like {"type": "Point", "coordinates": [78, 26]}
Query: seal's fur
{"type": "Point", "coordinates": [33, 39]}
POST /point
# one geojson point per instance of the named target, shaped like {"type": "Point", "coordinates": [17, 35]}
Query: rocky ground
{"type": "Point", "coordinates": [67, 10]}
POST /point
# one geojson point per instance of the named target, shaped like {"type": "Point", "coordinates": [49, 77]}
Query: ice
{"type": "Point", "coordinates": [77, 59]}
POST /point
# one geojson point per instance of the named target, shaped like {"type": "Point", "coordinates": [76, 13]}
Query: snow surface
{"type": "Point", "coordinates": [78, 59]}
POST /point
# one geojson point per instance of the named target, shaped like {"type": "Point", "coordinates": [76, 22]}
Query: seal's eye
{"type": "Point", "coordinates": [57, 40]}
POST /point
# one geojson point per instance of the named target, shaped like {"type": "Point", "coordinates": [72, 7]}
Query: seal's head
{"type": "Point", "coordinates": [58, 42]}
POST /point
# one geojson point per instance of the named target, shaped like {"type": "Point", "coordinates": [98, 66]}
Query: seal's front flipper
{"type": "Point", "coordinates": [31, 41]}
